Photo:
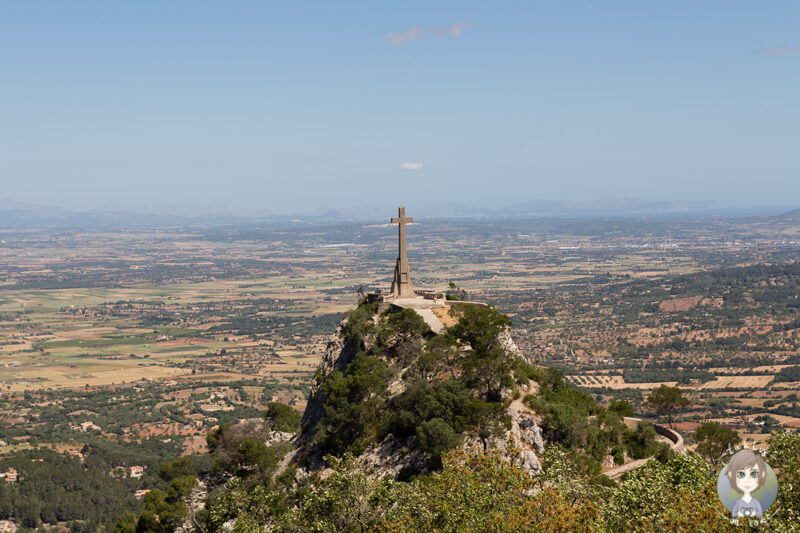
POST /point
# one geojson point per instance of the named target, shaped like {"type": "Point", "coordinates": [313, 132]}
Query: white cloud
{"type": "Point", "coordinates": [452, 31]}
{"type": "Point", "coordinates": [416, 32]}
{"type": "Point", "coordinates": [778, 51]}
{"type": "Point", "coordinates": [399, 38]}
{"type": "Point", "coordinates": [410, 165]}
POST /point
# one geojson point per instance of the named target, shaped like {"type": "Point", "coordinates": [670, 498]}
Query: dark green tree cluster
{"type": "Point", "coordinates": [240, 449]}
{"type": "Point", "coordinates": [164, 511]}
{"type": "Point", "coordinates": [359, 324]}
{"type": "Point", "coordinates": [439, 413]}
{"type": "Point", "coordinates": [482, 492]}
{"type": "Point", "coordinates": [454, 382]}
{"type": "Point", "coordinates": [789, 373]}
{"type": "Point", "coordinates": [55, 488]}
{"type": "Point", "coordinates": [667, 401]}
{"type": "Point", "coordinates": [281, 417]}
{"type": "Point", "coordinates": [477, 493]}
{"type": "Point", "coordinates": [715, 440]}
{"type": "Point", "coordinates": [572, 418]}
{"type": "Point", "coordinates": [255, 489]}
{"type": "Point", "coordinates": [353, 404]}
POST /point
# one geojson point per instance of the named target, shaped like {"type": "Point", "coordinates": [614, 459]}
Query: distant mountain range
{"type": "Point", "coordinates": [15, 214]}
{"type": "Point", "coordinates": [792, 215]}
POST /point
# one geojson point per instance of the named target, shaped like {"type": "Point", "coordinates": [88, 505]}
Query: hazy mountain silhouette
{"type": "Point", "coordinates": [791, 215]}
{"type": "Point", "coordinates": [15, 214]}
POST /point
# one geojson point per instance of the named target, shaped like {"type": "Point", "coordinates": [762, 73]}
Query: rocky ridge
{"type": "Point", "coordinates": [520, 444]}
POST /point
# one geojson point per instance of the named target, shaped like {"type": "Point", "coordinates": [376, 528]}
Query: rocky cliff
{"type": "Point", "coordinates": [393, 400]}
{"type": "Point", "coordinates": [424, 393]}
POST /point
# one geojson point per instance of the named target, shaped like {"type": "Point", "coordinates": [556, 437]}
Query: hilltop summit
{"type": "Point", "coordinates": [396, 395]}
{"type": "Point", "coordinates": [400, 401]}
{"type": "Point", "coordinates": [411, 373]}
{"type": "Point", "coordinates": [430, 304]}
{"type": "Point", "coordinates": [396, 387]}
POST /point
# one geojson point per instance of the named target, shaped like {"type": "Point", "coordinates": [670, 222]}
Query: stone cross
{"type": "Point", "coordinates": [401, 285]}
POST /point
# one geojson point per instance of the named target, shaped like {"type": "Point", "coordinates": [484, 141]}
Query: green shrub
{"type": "Point", "coordinates": [359, 324]}
{"type": "Point", "coordinates": [281, 417]}
{"type": "Point", "coordinates": [352, 402]}
{"type": "Point", "coordinates": [641, 442]}
{"type": "Point", "coordinates": [436, 436]}
{"type": "Point", "coordinates": [407, 323]}
{"type": "Point", "coordinates": [177, 468]}
{"type": "Point", "coordinates": [479, 326]}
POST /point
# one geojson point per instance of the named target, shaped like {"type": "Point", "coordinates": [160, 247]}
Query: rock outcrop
{"type": "Point", "coordinates": [337, 355]}
{"type": "Point", "coordinates": [393, 457]}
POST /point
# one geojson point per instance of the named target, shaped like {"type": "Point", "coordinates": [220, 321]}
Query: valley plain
{"type": "Point", "coordinates": [139, 341]}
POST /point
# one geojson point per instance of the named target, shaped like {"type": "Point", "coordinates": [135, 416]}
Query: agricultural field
{"type": "Point", "coordinates": [133, 344]}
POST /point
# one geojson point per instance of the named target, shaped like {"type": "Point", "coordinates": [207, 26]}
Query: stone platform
{"type": "Point", "coordinates": [424, 308]}
{"type": "Point", "coordinates": [417, 302]}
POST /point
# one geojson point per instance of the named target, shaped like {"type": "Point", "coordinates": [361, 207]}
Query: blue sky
{"type": "Point", "coordinates": [292, 106]}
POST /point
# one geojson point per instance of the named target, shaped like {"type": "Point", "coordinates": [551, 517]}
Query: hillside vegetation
{"type": "Point", "coordinates": [449, 404]}
{"type": "Point", "coordinates": [432, 393]}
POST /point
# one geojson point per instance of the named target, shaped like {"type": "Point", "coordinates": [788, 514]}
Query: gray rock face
{"type": "Point", "coordinates": [519, 445]}
{"type": "Point", "coordinates": [522, 442]}
{"type": "Point", "coordinates": [196, 502]}
{"type": "Point", "coordinates": [507, 343]}
{"type": "Point", "coordinates": [529, 462]}
{"type": "Point", "coordinates": [391, 457]}
{"type": "Point", "coordinates": [274, 437]}
{"type": "Point", "coordinates": [530, 432]}
{"type": "Point", "coordinates": [336, 357]}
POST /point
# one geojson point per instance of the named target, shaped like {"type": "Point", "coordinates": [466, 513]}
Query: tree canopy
{"type": "Point", "coordinates": [714, 439]}
{"type": "Point", "coordinates": [667, 401]}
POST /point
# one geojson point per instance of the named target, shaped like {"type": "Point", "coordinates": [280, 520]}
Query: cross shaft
{"type": "Point", "coordinates": [401, 286]}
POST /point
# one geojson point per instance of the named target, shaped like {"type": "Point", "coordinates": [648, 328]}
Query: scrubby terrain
{"type": "Point", "coordinates": [396, 396]}
{"type": "Point", "coordinates": [399, 414]}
